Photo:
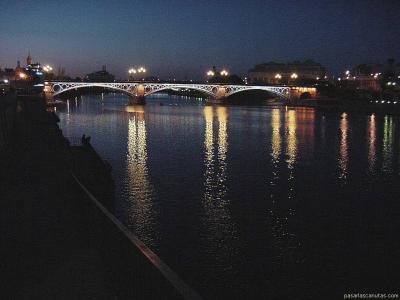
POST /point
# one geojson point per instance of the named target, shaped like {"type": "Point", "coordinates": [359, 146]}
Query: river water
{"type": "Point", "coordinates": [247, 202]}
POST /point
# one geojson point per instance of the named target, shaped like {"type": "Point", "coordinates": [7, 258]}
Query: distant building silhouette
{"type": "Point", "coordinates": [100, 76]}
{"type": "Point", "coordinates": [285, 73]}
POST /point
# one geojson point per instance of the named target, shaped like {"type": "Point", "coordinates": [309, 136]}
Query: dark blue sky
{"type": "Point", "coordinates": [184, 38]}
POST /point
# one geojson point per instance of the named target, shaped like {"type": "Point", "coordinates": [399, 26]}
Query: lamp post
{"type": "Point", "coordinates": [132, 71]}
{"type": "Point", "coordinates": [278, 78]}
{"type": "Point", "coordinates": [48, 70]}
{"type": "Point", "coordinates": [143, 71]}
{"type": "Point", "coordinates": [224, 73]}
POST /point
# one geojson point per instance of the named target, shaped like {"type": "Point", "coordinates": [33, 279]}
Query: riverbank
{"type": "Point", "coordinates": [57, 241]}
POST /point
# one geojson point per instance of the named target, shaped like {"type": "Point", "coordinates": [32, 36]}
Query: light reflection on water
{"type": "Point", "coordinates": [372, 145]}
{"type": "Point", "coordinates": [217, 219]}
{"type": "Point", "coordinates": [387, 144]}
{"type": "Point", "coordinates": [250, 198]}
{"type": "Point", "coordinates": [138, 189]}
{"type": "Point", "coordinates": [344, 155]}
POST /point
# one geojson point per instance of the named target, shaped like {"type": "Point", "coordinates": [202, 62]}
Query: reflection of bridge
{"type": "Point", "coordinates": [137, 90]}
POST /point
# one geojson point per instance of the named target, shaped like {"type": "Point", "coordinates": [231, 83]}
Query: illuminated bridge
{"type": "Point", "coordinates": [138, 90]}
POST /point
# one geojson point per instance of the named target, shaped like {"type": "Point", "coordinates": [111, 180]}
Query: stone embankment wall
{"type": "Point", "coordinates": [57, 240]}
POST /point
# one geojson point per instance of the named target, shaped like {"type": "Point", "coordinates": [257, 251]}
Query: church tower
{"type": "Point", "coordinates": [29, 59]}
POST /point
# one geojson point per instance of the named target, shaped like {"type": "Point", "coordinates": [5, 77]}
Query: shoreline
{"type": "Point", "coordinates": [57, 243]}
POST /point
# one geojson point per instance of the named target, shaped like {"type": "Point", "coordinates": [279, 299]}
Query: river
{"type": "Point", "coordinates": [251, 202]}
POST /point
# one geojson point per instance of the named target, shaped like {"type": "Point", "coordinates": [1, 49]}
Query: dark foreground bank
{"type": "Point", "coordinates": [57, 240]}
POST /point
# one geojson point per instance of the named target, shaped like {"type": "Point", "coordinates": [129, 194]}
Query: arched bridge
{"type": "Point", "coordinates": [139, 89]}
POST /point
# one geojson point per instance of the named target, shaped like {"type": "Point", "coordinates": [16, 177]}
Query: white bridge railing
{"type": "Point", "coordinates": [145, 89]}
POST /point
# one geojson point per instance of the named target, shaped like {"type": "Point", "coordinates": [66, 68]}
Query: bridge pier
{"type": "Point", "coordinates": [220, 96]}
{"type": "Point", "coordinates": [216, 100]}
{"type": "Point", "coordinates": [47, 93]}
{"type": "Point", "coordinates": [134, 100]}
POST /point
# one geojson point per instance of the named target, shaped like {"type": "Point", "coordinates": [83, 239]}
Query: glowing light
{"type": "Point", "coordinates": [294, 76]}
{"type": "Point", "coordinates": [22, 75]}
{"type": "Point", "coordinates": [278, 76]}
{"type": "Point", "coordinates": [347, 72]}
{"type": "Point", "coordinates": [224, 73]}
{"type": "Point", "coordinates": [5, 80]}
{"type": "Point", "coordinates": [47, 68]}
{"type": "Point", "coordinates": [210, 73]}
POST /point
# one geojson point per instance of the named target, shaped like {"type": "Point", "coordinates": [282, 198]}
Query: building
{"type": "Point", "coordinates": [100, 76]}
{"type": "Point", "coordinates": [292, 73]}
{"type": "Point", "coordinates": [7, 75]}
{"type": "Point", "coordinates": [374, 77]}
{"type": "Point", "coordinates": [30, 72]}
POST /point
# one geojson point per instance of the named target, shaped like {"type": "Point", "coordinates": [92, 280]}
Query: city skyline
{"type": "Point", "coordinates": [184, 39]}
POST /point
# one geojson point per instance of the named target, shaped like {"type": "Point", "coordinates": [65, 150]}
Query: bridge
{"type": "Point", "coordinates": [139, 90]}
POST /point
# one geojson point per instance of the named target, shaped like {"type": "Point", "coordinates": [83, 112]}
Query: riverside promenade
{"type": "Point", "coordinates": [57, 241]}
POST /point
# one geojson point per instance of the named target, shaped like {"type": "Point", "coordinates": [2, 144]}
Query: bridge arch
{"type": "Point", "coordinates": [282, 92]}
{"type": "Point", "coordinates": [62, 87]}
{"type": "Point", "coordinates": [206, 91]}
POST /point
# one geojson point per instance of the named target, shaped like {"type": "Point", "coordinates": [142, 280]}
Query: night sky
{"type": "Point", "coordinates": [182, 39]}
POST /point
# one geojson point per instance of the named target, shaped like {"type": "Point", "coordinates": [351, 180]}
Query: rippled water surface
{"type": "Point", "coordinates": [253, 202]}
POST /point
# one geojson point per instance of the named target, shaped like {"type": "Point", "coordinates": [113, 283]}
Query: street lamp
{"type": "Point", "coordinates": [224, 73]}
{"type": "Point", "coordinates": [47, 68]}
{"type": "Point", "coordinates": [278, 76]}
{"type": "Point", "coordinates": [210, 73]}
{"type": "Point", "coordinates": [22, 75]}
{"type": "Point", "coordinates": [141, 70]}
{"type": "Point", "coordinates": [294, 76]}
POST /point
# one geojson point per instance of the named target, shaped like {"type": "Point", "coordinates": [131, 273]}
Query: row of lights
{"type": "Point", "coordinates": [135, 71]}
{"type": "Point", "coordinates": [383, 101]}
{"type": "Point", "coordinates": [47, 68]}
{"type": "Point", "coordinates": [292, 76]}
{"type": "Point", "coordinates": [211, 73]}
